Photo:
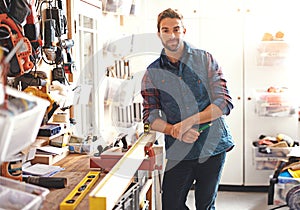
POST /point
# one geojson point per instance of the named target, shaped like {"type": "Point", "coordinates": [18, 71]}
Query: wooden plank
{"type": "Point", "coordinates": [107, 193]}
{"type": "Point", "coordinates": [76, 167]}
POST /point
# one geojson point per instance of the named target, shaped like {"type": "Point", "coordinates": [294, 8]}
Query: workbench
{"type": "Point", "coordinates": [76, 166]}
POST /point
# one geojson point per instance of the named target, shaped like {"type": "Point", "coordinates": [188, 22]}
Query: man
{"type": "Point", "coordinates": [185, 97]}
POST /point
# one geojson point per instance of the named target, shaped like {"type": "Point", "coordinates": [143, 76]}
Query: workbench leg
{"type": "Point", "coordinates": [149, 197]}
{"type": "Point", "coordinates": [156, 189]}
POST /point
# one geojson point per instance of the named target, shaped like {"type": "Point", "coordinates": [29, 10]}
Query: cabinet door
{"type": "Point", "coordinates": [274, 71]}
{"type": "Point", "coordinates": [222, 35]}
{"type": "Point", "coordinates": [89, 110]}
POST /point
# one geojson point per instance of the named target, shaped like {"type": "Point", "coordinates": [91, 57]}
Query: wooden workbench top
{"type": "Point", "coordinates": [76, 167]}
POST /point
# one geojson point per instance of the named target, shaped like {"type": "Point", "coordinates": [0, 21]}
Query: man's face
{"type": "Point", "coordinates": [171, 33]}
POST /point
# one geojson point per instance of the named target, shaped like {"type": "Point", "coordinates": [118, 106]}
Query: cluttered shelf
{"type": "Point", "coordinates": [281, 154]}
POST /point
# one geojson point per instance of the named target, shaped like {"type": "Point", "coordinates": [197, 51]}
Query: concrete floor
{"type": "Point", "coordinates": [229, 200]}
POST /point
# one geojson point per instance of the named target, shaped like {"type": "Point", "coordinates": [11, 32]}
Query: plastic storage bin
{"type": "Point", "coordinates": [272, 53]}
{"type": "Point", "coordinates": [261, 164]}
{"type": "Point", "coordinates": [268, 161]}
{"type": "Point", "coordinates": [15, 195]}
{"type": "Point", "coordinates": [274, 104]}
{"type": "Point", "coordinates": [19, 131]}
{"type": "Point", "coordinates": [282, 188]}
{"type": "Point", "coordinates": [275, 152]}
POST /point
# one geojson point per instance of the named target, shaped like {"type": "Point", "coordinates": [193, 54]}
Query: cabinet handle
{"type": "Point", "coordinates": [249, 98]}
{"type": "Point", "coordinates": [239, 98]}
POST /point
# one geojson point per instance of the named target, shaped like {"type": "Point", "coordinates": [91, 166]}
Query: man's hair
{"type": "Point", "coordinates": [168, 13]}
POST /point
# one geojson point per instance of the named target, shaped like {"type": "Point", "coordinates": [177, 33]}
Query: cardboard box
{"type": "Point", "coordinates": [28, 153]}
{"type": "Point", "coordinates": [50, 159]}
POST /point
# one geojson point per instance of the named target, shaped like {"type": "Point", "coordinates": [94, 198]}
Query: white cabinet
{"type": "Point", "coordinates": [88, 103]}
{"type": "Point", "coordinates": [216, 26]}
{"type": "Point", "coordinates": [232, 32]}
{"type": "Point", "coordinates": [221, 34]}
{"type": "Point", "coordinates": [268, 64]}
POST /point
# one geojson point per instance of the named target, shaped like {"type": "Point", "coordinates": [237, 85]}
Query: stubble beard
{"type": "Point", "coordinates": [173, 47]}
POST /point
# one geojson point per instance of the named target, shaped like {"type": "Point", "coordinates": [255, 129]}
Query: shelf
{"type": "Point", "coordinates": [272, 53]}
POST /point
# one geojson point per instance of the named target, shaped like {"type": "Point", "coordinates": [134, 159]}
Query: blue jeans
{"type": "Point", "coordinates": [180, 175]}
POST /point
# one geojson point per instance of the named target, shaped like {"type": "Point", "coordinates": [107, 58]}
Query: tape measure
{"type": "Point", "coordinates": [80, 191]}
{"type": "Point", "coordinates": [147, 128]}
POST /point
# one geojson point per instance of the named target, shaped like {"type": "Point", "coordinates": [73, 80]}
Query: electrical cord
{"type": "Point", "coordinates": [279, 207]}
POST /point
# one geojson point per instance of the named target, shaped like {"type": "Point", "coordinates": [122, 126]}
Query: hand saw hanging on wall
{"type": "Point", "coordinates": [10, 35]}
{"type": "Point", "coordinates": [13, 14]}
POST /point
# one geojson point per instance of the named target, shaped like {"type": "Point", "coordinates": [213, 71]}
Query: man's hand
{"type": "Point", "coordinates": [179, 129]}
{"type": "Point", "coordinates": [182, 130]}
{"type": "Point", "coordinates": [190, 136]}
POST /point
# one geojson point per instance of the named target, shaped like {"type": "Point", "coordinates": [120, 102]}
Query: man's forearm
{"type": "Point", "coordinates": [210, 113]}
{"type": "Point", "coordinates": [161, 126]}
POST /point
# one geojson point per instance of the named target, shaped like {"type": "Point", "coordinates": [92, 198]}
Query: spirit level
{"type": "Point", "coordinates": [78, 193]}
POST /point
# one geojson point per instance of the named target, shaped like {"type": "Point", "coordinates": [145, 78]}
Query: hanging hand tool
{"type": "Point", "coordinates": [37, 92]}
{"type": "Point", "coordinates": [21, 60]}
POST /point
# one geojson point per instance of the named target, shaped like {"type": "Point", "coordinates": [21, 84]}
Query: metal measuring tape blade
{"type": "Point", "coordinates": [146, 128]}
{"type": "Point", "coordinates": [80, 191]}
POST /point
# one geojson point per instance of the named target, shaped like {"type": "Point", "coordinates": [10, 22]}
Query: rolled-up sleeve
{"type": "Point", "coordinates": [151, 104]}
{"type": "Point", "coordinates": [218, 86]}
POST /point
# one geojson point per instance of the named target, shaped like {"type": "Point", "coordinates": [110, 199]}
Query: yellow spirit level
{"type": "Point", "coordinates": [78, 193]}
